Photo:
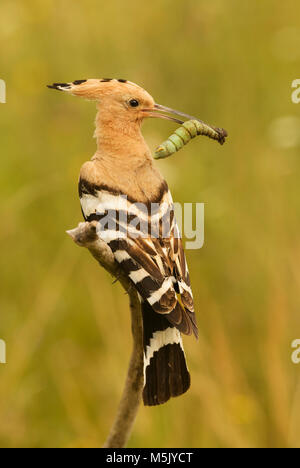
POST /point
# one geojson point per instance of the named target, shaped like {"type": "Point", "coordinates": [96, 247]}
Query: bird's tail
{"type": "Point", "coordinates": [165, 370]}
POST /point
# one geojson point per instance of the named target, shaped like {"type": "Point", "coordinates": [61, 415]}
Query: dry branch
{"type": "Point", "coordinates": [85, 235]}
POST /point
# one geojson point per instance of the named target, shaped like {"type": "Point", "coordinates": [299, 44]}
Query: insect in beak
{"type": "Point", "coordinates": [162, 112]}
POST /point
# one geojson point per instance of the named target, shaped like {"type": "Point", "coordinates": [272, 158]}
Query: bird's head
{"type": "Point", "coordinates": [120, 100]}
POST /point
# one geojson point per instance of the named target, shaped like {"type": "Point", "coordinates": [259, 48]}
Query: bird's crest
{"type": "Point", "coordinates": [94, 88]}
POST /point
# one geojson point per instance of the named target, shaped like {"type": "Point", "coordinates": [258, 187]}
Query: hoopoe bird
{"type": "Point", "coordinates": [121, 177]}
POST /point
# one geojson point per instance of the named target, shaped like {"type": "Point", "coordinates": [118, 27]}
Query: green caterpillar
{"type": "Point", "coordinates": [184, 134]}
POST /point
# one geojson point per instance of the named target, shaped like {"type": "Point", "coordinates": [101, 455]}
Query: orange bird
{"type": "Point", "coordinates": [121, 178]}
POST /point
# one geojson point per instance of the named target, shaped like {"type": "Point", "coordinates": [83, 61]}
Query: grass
{"type": "Point", "coordinates": [67, 328]}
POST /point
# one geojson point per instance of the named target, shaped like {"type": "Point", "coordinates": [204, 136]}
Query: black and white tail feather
{"type": "Point", "coordinates": [165, 370]}
{"type": "Point", "coordinates": [158, 270]}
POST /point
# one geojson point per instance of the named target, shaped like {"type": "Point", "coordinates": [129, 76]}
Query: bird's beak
{"type": "Point", "coordinates": [162, 112]}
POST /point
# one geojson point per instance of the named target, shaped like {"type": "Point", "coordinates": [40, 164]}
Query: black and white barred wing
{"type": "Point", "coordinates": [156, 265]}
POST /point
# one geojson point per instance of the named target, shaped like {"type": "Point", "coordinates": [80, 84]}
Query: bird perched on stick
{"type": "Point", "coordinates": [121, 178]}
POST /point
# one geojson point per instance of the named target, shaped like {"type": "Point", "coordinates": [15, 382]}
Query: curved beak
{"type": "Point", "coordinates": [162, 112]}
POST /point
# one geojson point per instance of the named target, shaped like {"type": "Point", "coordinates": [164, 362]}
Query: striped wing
{"type": "Point", "coordinates": [155, 264]}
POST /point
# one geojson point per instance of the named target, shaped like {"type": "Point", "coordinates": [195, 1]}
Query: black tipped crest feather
{"type": "Point", "coordinates": [79, 82]}
{"type": "Point", "coordinates": [58, 86]}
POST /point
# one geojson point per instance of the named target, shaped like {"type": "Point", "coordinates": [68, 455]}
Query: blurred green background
{"type": "Point", "coordinates": [67, 328]}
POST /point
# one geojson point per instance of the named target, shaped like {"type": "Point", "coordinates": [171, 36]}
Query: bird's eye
{"type": "Point", "coordinates": [133, 102]}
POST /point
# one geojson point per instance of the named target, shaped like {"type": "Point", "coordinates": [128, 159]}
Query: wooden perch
{"type": "Point", "coordinates": [85, 235]}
